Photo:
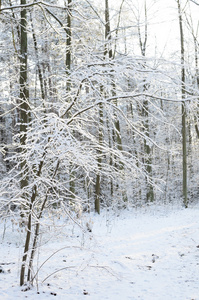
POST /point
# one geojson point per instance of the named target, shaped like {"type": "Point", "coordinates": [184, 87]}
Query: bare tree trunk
{"type": "Point", "coordinates": [145, 114]}
{"type": "Point", "coordinates": [29, 226]}
{"type": "Point", "coordinates": [117, 28]}
{"type": "Point", "coordinates": [38, 62]}
{"type": "Point", "coordinates": [99, 160]}
{"type": "Point", "coordinates": [111, 55]}
{"type": "Point", "coordinates": [68, 83]}
{"type": "Point", "coordinates": [24, 91]}
{"type": "Point", "coordinates": [68, 38]}
{"type": "Point", "coordinates": [108, 47]}
{"type": "Point", "coordinates": [184, 130]}
{"type": "Point", "coordinates": [37, 227]}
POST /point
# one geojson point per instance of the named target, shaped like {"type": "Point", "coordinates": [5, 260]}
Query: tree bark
{"type": "Point", "coordinates": [68, 38]}
{"type": "Point", "coordinates": [24, 114]}
{"type": "Point", "coordinates": [145, 115]}
{"type": "Point", "coordinates": [183, 93]}
{"type": "Point", "coordinates": [29, 225]}
{"type": "Point", "coordinates": [99, 160]}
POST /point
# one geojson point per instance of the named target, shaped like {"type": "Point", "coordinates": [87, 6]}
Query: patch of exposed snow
{"type": "Point", "coordinates": [136, 255]}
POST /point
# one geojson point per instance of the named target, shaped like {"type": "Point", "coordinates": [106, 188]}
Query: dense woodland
{"type": "Point", "coordinates": [92, 114]}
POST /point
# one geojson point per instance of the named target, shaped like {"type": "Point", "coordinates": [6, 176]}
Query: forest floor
{"type": "Point", "coordinates": [147, 254]}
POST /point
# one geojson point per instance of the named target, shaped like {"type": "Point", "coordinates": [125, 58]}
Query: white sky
{"type": "Point", "coordinates": [163, 29]}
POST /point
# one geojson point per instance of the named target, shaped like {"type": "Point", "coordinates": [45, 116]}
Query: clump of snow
{"type": "Point", "coordinates": [137, 254]}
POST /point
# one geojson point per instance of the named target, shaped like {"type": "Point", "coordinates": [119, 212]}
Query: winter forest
{"type": "Point", "coordinates": [99, 112]}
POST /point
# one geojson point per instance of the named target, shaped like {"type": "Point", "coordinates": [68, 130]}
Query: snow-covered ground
{"type": "Point", "coordinates": [140, 254]}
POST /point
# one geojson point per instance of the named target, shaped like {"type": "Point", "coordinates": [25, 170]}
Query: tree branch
{"type": "Point", "coordinates": [194, 2]}
{"type": "Point", "coordinates": [32, 4]}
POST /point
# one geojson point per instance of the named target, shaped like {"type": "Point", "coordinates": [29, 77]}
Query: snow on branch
{"type": "Point", "coordinates": [32, 4]}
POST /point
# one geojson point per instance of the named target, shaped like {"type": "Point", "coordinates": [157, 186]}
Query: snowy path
{"type": "Point", "coordinates": [135, 256]}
